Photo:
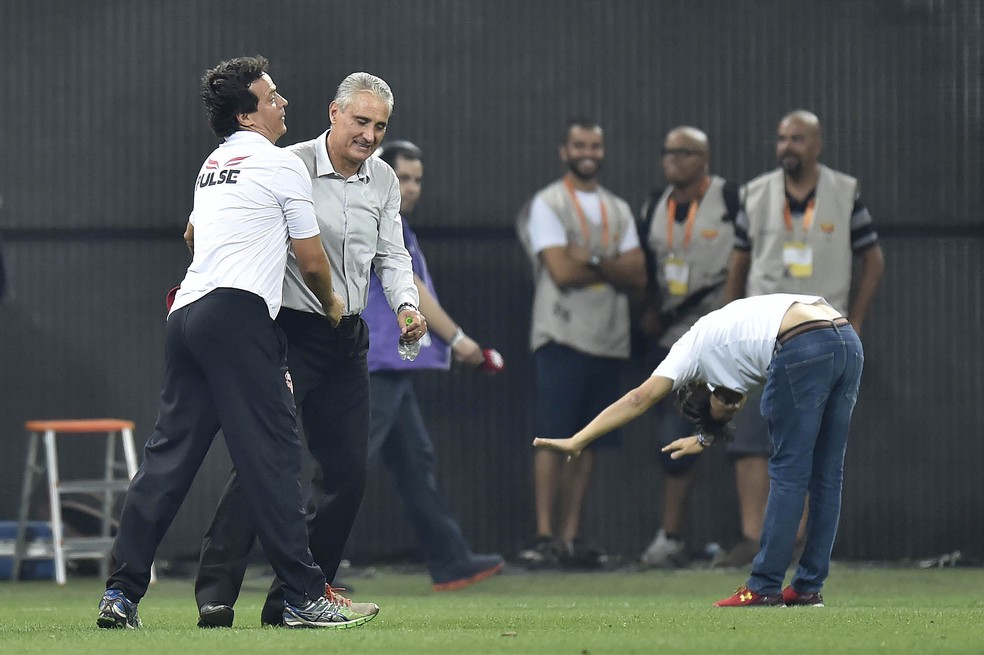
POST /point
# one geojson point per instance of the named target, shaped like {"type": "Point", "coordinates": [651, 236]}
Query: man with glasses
{"type": "Point", "coordinates": [687, 230]}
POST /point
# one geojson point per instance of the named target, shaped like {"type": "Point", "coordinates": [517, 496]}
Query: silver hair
{"type": "Point", "coordinates": [359, 82]}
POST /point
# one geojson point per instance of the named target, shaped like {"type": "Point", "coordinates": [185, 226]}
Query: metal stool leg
{"type": "Point", "coordinates": [57, 532]}
{"type": "Point", "coordinates": [30, 474]}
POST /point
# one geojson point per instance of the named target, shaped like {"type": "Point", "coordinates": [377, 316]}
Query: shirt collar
{"type": "Point", "coordinates": [244, 136]}
{"type": "Point", "coordinates": [323, 162]}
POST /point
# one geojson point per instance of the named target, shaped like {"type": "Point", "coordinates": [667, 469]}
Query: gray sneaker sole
{"type": "Point", "coordinates": [295, 621]}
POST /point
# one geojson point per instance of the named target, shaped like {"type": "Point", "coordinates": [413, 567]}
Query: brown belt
{"type": "Point", "coordinates": [810, 326]}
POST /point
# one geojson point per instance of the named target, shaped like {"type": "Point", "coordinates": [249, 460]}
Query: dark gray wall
{"type": "Point", "coordinates": [102, 135]}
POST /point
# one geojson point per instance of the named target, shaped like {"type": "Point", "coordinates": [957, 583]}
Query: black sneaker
{"type": "Point", "coordinates": [214, 615]}
{"type": "Point", "coordinates": [541, 553]}
{"type": "Point", "coordinates": [117, 611]}
{"type": "Point", "coordinates": [579, 555]}
{"type": "Point", "coordinates": [322, 613]}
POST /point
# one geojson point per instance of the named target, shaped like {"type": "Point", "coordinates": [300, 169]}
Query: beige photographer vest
{"type": "Point", "coordinates": [592, 319]}
{"type": "Point", "coordinates": [829, 237]}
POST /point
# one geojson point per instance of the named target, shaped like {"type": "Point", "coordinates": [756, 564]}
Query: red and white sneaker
{"type": "Point", "coordinates": [793, 597]}
{"type": "Point", "coordinates": [745, 597]}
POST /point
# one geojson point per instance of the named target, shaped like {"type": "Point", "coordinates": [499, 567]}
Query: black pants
{"type": "Point", "coordinates": [331, 386]}
{"type": "Point", "coordinates": [224, 366]}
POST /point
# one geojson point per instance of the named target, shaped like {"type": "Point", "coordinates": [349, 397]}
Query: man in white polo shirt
{"type": "Point", "coordinates": [810, 360]}
{"type": "Point", "coordinates": [357, 202]}
{"type": "Point", "coordinates": [224, 356]}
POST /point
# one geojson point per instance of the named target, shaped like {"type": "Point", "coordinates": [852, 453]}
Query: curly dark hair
{"type": "Point", "coordinates": [694, 402]}
{"type": "Point", "coordinates": [226, 93]}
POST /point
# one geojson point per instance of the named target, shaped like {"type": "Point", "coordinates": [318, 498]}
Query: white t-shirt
{"type": "Point", "coordinates": [731, 347]}
{"type": "Point", "coordinates": [547, 230]}
{"type": "Point", "coordinates": [251, 198]}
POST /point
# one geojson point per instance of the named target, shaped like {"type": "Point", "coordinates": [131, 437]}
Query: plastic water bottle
{"type": "Point", "coordinates": [408, 351]}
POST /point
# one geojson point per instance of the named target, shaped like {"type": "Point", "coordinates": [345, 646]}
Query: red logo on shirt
{"type": "Point", "coordinates": [211, 165]}
{"type": "Point", "coordinates": [237, 160]}
{"type": "Point", "coordinates": [709, 234]}
{"type": "Point", "coordinates": [828, 228]}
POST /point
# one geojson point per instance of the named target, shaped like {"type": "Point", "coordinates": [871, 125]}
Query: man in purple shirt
{"type": "Point", "coordinates": [397, 431]}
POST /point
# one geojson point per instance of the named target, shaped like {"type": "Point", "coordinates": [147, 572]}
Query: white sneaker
{"type": "Point", "coordinates": [663, 552]}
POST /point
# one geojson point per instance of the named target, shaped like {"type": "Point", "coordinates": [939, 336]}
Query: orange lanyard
{"type": "Point", "coordinates": [787, 215]}
{"type": "Point", "coordinates": [671, 207]}
{"type": "Point", "coordinates": [585, 231]}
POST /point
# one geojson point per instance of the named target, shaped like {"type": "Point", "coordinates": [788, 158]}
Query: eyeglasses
{"type": "Point", "coordinates": [679, 152]}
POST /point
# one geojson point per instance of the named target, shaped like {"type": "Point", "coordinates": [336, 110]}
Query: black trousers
{"type": "Point", "coordinates": [224, 366]}
{"type": "Point", "coordinates": [331, 387]}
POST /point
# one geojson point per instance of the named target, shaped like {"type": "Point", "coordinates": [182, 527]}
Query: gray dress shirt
{"type": "Point", "coordinates": [360, 226]}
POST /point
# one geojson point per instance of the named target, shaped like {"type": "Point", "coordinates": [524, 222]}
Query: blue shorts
{"type": "Point", "coordinates": [571, 389]}
{"type": "Point", "coordinates": [751, 436]}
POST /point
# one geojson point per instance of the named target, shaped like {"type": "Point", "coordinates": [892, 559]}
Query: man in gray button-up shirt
{"type": "Point", "coordinates": [357, 202]}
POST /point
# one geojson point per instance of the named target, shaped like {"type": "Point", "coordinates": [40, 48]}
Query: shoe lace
{"type": "Point", "coordinates": [335, 598]}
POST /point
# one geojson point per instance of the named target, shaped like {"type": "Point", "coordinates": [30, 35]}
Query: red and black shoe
{"type": "Point", "coordinates": [793, 597]}
{"type": "Point", "coordinates": [745, 597]}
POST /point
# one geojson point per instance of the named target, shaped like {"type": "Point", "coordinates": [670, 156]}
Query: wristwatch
{"type": "Point", "coordinates": [594, 261]}
{"type": "Point", "coordinates": [405, 306]}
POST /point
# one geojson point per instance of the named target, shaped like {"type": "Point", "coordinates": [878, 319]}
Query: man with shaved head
{"type": "Point", "coordinates": [801, 229]}
{"type": "Point", "coordinates": [687, 229]}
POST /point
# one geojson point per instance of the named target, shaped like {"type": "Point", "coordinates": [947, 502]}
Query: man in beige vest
{"type": "Point", "coordinates": [586, 257]}
{"type": "Point", "coordinates": [687, 230]}
{"type": "Point", "coordinates": [800, 230]}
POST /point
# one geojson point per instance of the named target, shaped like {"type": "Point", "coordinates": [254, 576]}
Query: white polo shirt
{"type": "Point", "coordinates": [731, 347]}
{"type": "Point", "coordinates": [251, 198]}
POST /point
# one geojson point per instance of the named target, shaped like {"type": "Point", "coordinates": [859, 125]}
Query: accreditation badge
{"type": "Point", "coordinates": [797, 257]}
{"type": "Point", "coordinates": [677, 274]}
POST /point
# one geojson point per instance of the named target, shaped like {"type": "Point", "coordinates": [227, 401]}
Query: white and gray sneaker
{"type": "Point", "coordinates": [322, 613]}
{"type": "Point", "coordinates": [663, 552]}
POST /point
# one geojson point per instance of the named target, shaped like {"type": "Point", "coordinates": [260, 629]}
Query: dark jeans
{"type": "Point", "coordinates": [224, 366]}
{"type": "Point", "coordinates": [397, 432]}
{"type": "Point", "coordinates": [808, 400]}
{"type": "Point", "coordinates": [331, 386]}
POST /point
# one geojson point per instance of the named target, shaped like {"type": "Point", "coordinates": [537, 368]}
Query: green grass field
{"type": "Point", "coordinates": [881, 610]}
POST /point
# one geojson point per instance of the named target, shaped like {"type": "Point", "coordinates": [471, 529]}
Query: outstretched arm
{"type": "Point", "coordinates": [625, 409]}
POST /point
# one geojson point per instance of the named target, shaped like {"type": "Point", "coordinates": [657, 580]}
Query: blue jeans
{"type": "Point", "coordinates": [808, 399]}
{"type": "Point", "coordinates": [397, 432]}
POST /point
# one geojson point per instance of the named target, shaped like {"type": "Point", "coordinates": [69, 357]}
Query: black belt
{"type": "Point", "coordinates": [349, 318]}
{"type": "Point", "coordinates": [811, 326]}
